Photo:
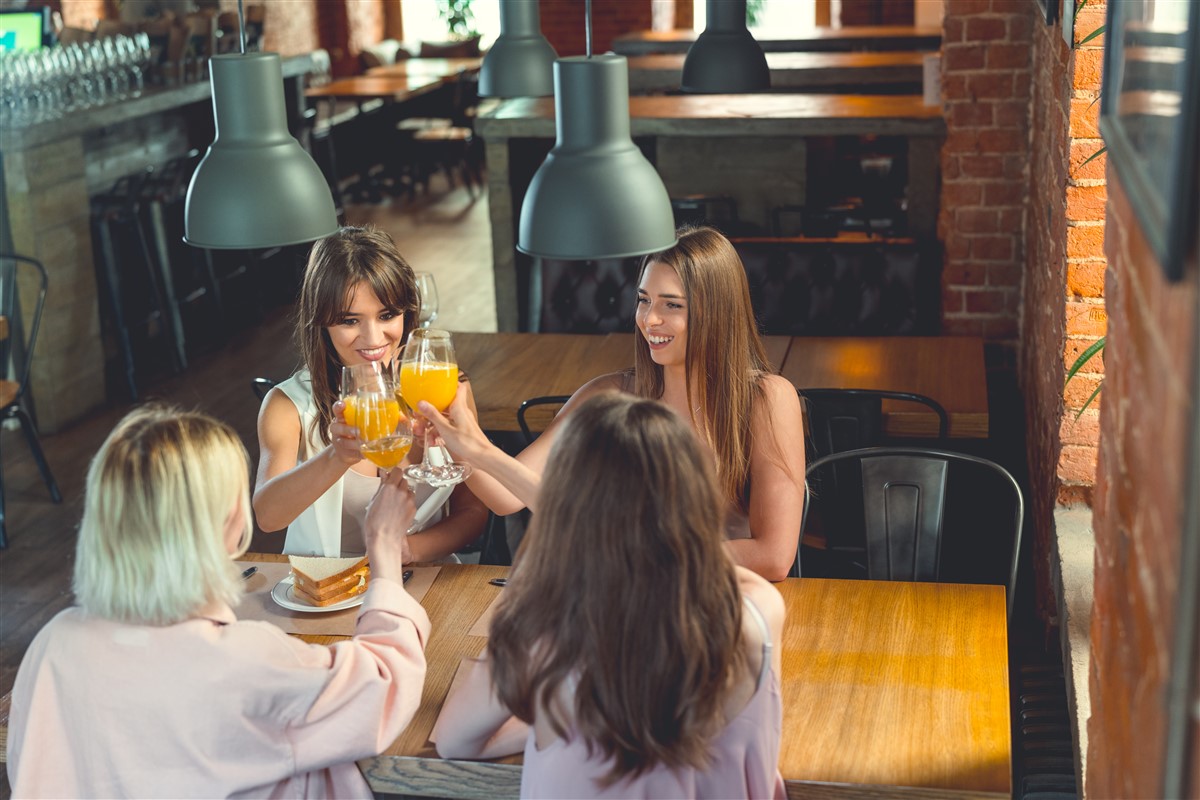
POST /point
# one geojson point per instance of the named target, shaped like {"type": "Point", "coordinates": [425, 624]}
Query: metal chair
{"type": "Point", "coordinates": [17, 339]}
{"type": "Point", "coordinates": [261, 386]}
{"type": "Point", "coordinates": [554, 399]}
{"type": "Point", "coordinates": [903, 502]}
{"type": "Point", "coordinates": [846, 419]}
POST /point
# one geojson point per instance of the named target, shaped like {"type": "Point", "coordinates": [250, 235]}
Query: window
{"type": "Point", "coordinates": [423, 23]}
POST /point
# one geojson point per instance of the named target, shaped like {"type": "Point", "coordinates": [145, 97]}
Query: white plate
{"type": "Point", "coordinates": [285, 595]}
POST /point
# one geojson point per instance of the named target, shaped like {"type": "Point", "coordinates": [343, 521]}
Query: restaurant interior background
{"type": "Point", "coordinates": [1042, 254]}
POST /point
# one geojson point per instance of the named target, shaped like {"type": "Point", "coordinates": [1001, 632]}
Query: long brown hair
{"type": "Point", "coordinates": [336, 264]}
{"type": "Point", "coordinates": [725, 359]}
{"type": "Point", "coordinates": [623, 585]}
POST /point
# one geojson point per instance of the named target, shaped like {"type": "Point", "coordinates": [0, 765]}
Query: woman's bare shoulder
{"type": "Point", "coordinates": [618, 381]}
{"type": "Point", "coordinates": [763, 594]}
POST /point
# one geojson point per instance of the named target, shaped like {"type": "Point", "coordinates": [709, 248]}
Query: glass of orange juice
{"type": "Point", "coordinates": [429, 372]}
{"type": "Point", "coordinates": [372, 406]}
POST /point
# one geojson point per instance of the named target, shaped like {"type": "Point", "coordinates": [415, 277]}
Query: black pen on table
{"type": "Point", "coordinates": [248, 572]}
{"type": "Point", "coordinates": [408, 573]}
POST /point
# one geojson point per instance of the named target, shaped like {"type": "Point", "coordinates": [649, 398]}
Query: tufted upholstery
{"type": "Point", "coordinates": [583, 296]}
{"type": "Point", "coordinates": [820, 288]}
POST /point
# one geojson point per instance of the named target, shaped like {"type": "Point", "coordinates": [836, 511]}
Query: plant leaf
{"type": "Point", "coordinates": [1079, 6]}
{"type": "Point", "coordinates": [1098, 32]}
{"type": "Point", "coordinates": [1092, 157]}
{"type": "Point", "coordinates": [1088, 402]}
{"type": "Point", "coordinates": [1084, 357]}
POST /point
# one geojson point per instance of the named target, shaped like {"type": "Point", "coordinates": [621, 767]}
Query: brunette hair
{"type": "Point", "coordinates": [725, 360]}
{"type": "Point", "coordinates": [336, 264]}
{"type": "Point", "coordinates": [623, 589]}
{"type": "Point", "coordinates": [151, 546]}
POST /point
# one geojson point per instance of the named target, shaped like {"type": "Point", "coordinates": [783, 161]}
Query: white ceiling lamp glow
{"type": "Point", "coordinates": [596, 195]}
{"type": "Point", "coordinates": [256, 186]}
{"type": "Point", "coordinates": [725, 58]}
{"type": "Point", "coordinates": [521, 62]}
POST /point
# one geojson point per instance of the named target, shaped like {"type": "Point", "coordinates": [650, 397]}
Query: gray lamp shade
{"type": "Point", "coordinates": [521, 62]}
{"type": "Point", "coordinates": [596, 195]}
{"type": "Point", "coordinates": [725, 58]}
{"type": "Point", "coordinates": [256, 186]}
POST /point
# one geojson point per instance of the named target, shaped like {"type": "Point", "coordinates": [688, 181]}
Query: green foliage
{"type": "Point", "coordinates": [753, 10]}
{"type": "Point", "coordinates": [1097, 347]}
{"type": "Point", "coordinates": [1098, 32]}
{"type": "Point", "coordinates": [459, 18]}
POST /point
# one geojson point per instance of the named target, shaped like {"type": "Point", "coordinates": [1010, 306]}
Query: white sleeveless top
{"type": "Point", "coordinates": [322, 528]}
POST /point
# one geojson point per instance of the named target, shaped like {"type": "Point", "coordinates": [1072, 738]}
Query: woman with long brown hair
{"type": "Point", "coordinates": [699, 352]}
{"type": "Point", "coordinates": [629, 657]}
{"type": "Point", "coordinates": [358, 303]}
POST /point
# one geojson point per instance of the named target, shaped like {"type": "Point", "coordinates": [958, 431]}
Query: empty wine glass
{"type": "Point", "coordinates": [427, 291]}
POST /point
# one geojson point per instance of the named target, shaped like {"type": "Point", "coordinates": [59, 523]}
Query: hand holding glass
{"type": "Point", "coordinates": [429, 372]}
{"type": "Point", "coordinates": [370, 394]}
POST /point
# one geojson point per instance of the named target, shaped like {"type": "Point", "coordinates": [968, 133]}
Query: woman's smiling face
{"type": "Point", "coordinates": [662, 314]}
{"type": "Point", "coordinates": [367, 330]}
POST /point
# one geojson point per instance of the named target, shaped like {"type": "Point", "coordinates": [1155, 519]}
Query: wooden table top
{"type": "Point", "coordinates": [884, 685]}
{"type": "Point", "coordinates": [371, 87]}
{"type": "Point", "coordinates": [797, 71]}
{"type": "Point", "coordinates": [768, 114]}
{"type": "Point", "coordinates": [426, 67]}
{"type": "Point", "coordinates": [852, 37]}
{"type": "Point", "coordinates": [507, 368]}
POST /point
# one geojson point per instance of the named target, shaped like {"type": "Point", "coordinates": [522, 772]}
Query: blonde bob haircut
{"type": "Point", "coordinates": [151, 545]}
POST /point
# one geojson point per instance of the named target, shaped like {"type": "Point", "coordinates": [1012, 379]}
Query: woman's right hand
{"type": "Point", "coordinates": [458, 427]}
{"type": "Point", "coordinates": [343, 437]}
{"type": "Point", "coordinates": [389, 515]}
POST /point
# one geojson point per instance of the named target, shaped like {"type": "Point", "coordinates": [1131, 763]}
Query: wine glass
{"type": "Point", "coordinates": [427, 291]}
{"type": "Point", "coordinates": [429, 372]}
{"type": "Point", "coordinates": [369, 393]}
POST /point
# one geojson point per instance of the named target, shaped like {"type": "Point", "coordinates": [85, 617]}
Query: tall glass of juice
{"type": "Point", "coordinates": [429, 372]}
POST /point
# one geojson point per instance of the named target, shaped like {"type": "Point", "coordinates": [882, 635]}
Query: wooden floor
{"type": "Point", "coordinates": [446, 233]}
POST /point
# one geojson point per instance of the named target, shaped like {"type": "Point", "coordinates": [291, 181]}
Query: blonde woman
{"type": "Point", "coordinates": [629, 657]}
{"type": "Point", "coordinates": [358, 303]}
{"type": "Point", "coordinates": [699, 352]}
{"type": "Point", "coordinates": [151, 687]}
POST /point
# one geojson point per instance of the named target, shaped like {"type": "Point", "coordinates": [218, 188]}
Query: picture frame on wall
{"type": "Point", "coordinates": [1149, 105]}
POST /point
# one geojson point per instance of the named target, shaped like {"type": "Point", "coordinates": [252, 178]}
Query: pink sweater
{"type": "Point", "coordinates": [213, 707]}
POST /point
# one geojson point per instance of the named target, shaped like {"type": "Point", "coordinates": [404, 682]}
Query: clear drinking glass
{"type": "Point", "coordinates": [429, 372]}
{"type": "Point", "coordinates": [372, 405]}
{"type": "Point", "coordinates": [427, 290]}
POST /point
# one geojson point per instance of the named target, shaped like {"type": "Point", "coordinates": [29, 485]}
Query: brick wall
{"type": "Point", "coordinates": [1140, 497]}
{"type": "Point", "coordinates": [985, 164]}
{"type": "Point", "coordinates": [563, 23]}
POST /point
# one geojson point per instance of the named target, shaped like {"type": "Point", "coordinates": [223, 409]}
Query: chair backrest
{"type": "Point", "coordinates": [261, 386]}
{"type": "Point", "coordinates": [556, 399]}
{"type": "Point", "coordinates": [847, 419]}
{"type": "Point", "coordinates": [597, 296]}
{"type": "Point", "coordinates": [903, 502]}
{"type": "Point", "coordinates": [23, 283]}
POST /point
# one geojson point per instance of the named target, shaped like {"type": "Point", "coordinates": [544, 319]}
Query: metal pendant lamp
{"type": "Point", "coordinates": [725, 58]}
{"type": "Point", "coordinates": [596, 195]}
{"type": "Point", "coordinates": [256, 186]}
{"type": "Point", "coordinates": [521, 62]}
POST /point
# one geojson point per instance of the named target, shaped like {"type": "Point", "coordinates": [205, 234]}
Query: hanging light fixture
{"type": "Point", "coordinates": [521, 62]}
{"type": "Point", "coordinates": [725, 58]}
{"type": "Point", "coordinates": [596, 195]}
{"type": "Point", "coordinates": [256, 186]}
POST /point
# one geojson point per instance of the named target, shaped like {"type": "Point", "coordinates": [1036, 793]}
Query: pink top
{"type": "Point", "coordinates": [213, 707]}
{"type": "Point", "coordinates": [745, 758]}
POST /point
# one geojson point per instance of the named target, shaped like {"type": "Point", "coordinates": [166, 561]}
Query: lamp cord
{"type": "Point", "coordinates": [242, 26]}
{"type": "Point", "coordinates": [588, 4]}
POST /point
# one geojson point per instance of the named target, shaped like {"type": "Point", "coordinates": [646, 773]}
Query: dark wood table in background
{"type": "Point", "coordinates": [823, 39]}
{"type": "Point", "coordinates": [426, 67]}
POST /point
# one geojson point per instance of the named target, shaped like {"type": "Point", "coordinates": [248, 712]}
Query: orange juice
{"type": "Point", "coordinates": [434, 382]}
{"type": "Point", "coordinates": [388, 451]}
{"type": "Point", "coordinates": [375, 416]}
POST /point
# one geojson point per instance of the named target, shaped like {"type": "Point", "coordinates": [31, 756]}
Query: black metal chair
{"type": "Point", "coordinates": [17, 339]}
{"type": "Point", "coordinates": [902, 505]}
{"type": "Point", "coordinates": [847, 419]}
{"type": "Point", "coordinates": [554, 399]}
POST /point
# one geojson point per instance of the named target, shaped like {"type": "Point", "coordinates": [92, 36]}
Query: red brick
{"type": "Point", "coordinates": [1085, 278]}
{"type": "Point", "coordinates": [1089, 19]}
{"type": "Point", "coordinates": [952, 30]}
{"type": "Point", "coordinates": [964, 8]}
{"type": "Point", "coordinates": [962, 140]}
{"type": "Point", "coordinates": [1019, 27]}
{"type": "Point", "coordinates": [1081, 152]}
{"type": "Point", "coordinates": [1084, 430]}
{"type": "Point", "coordinates": [1009, 56]}
{"type": "Point", "coordinates": [976, 220]}
{"type": "Point", "coordinates": [1077, 464]}
{"type": "Point", "coordinates": [966, 273]}
{"type": "Point", "coordinates": [985, 29]}
{"type": "Point", "coordinates": [1072, 495]}
{"type": "Point", "coordinates": [1089, 67]}
{"type": "Point", "coordinates": [1021, 83]}
{"type": "Point", "coordinates": [991, 85]}
{"type": "Point", "coordinates": [1005, 275]}
{"type": "Point", "coordinates": [1002, 141]}
{"type": "Point", "coordinates": [1085, 319]}
{"type": "Point", "coordinates": [1006, 193]}
{"type": "Point", "coordinates": [1086, 203]}
{"type": "Point", "coordinates": [1000, 328]}
{"type": "Point", "coordinates": [957, 246]}
{"type": "Point", "coordinates": [1074, 348]}
{"type": "Point", "coordinates": [950, 167]}
{"type": "Point", "coordinates": [962, 56]}
{"type": "Point", "coordinates": [1085, 241]}
{"type": "Point", "coordinates": [984, 166]}
{"type": "Point", "coordinates": [1012, 114]}
{"type": "Point", "coordinates": [952, 300]}
{"type": "Point", "coordinates": [1076, 393]}
{"type": "Point", "coordinates": [1014, 166]}
{"type": "Point", "coordinates": [992, 248]}
{"type": "Point", "coordinates": [961, 193]}
{"type": "Point", "coordinates": [1010, 219]}
{"type": "Point", "coordinates": [968, 114]}
{"type": "Point", "coordinates": [1010, 7]}
{"type": "Point", "coordinates": [958, 325]}
{"type": "Point", "coordinates": [1085, 119]}
{"type": "Point", "coordinates": [954, 85]}
{"type": "Point", "coordinates": [986, 301]}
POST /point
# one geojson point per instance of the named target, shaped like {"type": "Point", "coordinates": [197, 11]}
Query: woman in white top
{"type": "Point", "coordinates": [357, 304]}
{"type": "Point", "coordinates": [698, 352]}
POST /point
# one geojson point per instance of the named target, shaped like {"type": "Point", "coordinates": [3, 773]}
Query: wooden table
{"type": "Point", "coordinates": [792, 71]}
{"type": "Point", "coordinates": [507, 368]}
{"type": "Point", "coordinates": [751, 147]}
{"type": "Point", "coordinates": [426, 67]}
{"type": "Point", "coordinates": [950, 369]}
{"type": "Point", "coordinates": [369, 87]}
{"type": "Point", "coordinates": [819, 39]}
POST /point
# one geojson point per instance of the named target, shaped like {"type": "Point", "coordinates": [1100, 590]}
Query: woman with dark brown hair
{"type": "Point", "coordinates": [699, 352]}
{"type": "Point", "coordinates": [629, 657]}
{"type": "Point", "coordinates": [358, 302]}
